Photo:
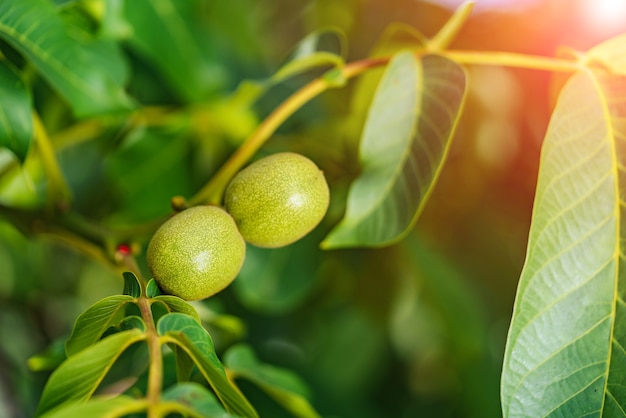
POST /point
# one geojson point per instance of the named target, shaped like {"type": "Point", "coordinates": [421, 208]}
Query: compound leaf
{"type": "Point", "coordinates": [565, 350]}
{"type": "Point", "coordinates": [404, 144]}
{"type": "Point", "coordinates": [34, 28]}
{"type": "Point", "coordinates": [16, 121]}
{"type": "Point", "coordinates": [79, 376]}
{"type": "Point", "coordinates": [92, 323]}
{"type": "Point", "coordinates": [189, 335]}
{"type": "Point", "coordinates": [283, 385]}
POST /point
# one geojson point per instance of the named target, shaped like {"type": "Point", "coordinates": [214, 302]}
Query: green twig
{"type": "Point", "coordinates": [508, 59]}
{"type": "Point", "coordinates": [212, 192]}
{"type": "Point", "coordinates": [450, 30]}
{"type": "Point", "coordinates": [155, 370]}
{"type": "Point", "coordinates": [76, 242]}
{"type": "Point", "coordinates": [59, 195]}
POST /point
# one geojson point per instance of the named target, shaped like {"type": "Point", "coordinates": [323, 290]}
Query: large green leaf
{"type": "Point", "coordinates": [34, 28]}
{"type": "Point", "coordinates": [16, 121]}
{"type": "Point", "coordinates": [396, 37]}
{"type": "Point", "coordinates": [404, 144]}
{"type": "Point", "coordinates": [283, 385]}
{"type": "Point", "coordinates": [79, 376]}
{"type": "Point", "coordinates": [92, 323]}
{"type": "Point", "coordinates": [171, 36]}
{"type": "Point", "coordinates": [189, 335]}
{"type": "Point", "coordinates": [565, 353]}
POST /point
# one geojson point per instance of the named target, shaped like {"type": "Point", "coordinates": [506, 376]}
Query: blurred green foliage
{"type": "Point", "coordinates": [417, 329]}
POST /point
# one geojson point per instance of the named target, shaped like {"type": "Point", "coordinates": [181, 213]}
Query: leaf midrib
{"type": "Point", "coordinates": [611, 135]}
{"type": "Point", "coordinates": [398, 168]}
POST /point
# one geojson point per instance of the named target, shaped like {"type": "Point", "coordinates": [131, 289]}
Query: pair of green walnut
{"type": "Point", "coordinates": [272, 203]}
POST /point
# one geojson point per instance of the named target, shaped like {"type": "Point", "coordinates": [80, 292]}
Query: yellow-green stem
{"type": "Point", "coordinates": [155, 370]}
{"type": "Point", "coordinates": [449, 31]}
{"type": "Point", "coordinates": [509, 59]}
{"type": "Point", "coordinates": [213, 191]}
{"type": "Point", "coordinates": [58, 190]}
{"type": "Point", "coordinates": [76, 242]}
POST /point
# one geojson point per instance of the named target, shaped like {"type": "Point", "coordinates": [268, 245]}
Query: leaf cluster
{"type": "Point", "coordinates": [203, 386]}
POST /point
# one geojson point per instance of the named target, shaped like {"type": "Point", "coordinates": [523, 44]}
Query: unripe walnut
{"type": "Point", "coordinates": [196, 253]}
{"type": "Point", "coordinates": [278, 199]}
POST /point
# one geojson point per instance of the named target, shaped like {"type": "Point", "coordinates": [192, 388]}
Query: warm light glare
{"type": "Point", "coordinates": [606, 14]}
{"type": "Point", "coordinates": [486, 5]}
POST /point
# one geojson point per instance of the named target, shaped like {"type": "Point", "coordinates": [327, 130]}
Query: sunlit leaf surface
{"type": "Point", "coordinates": [34, 28]}
{"type": "Point", "coordinates": [189, 336]}
{"type": "Point", "coordinates": [565, 352]}
{"type": "Point", "coordinates": [403, 147]}
{"type": "Point", "coordinates": [176, 304]}
{"type": "Point", "coordinates": [92, 323]}
{"type": "Point", "coordinates": [79, 376]}
{"type": "Point", "coordinates": [611, 54]}
{"type": "Point", "coordinates": [99, 408]}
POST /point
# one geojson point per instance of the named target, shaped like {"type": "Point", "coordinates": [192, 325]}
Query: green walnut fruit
{"type": "Point", "coordinates": [278, 199]}
{"type": "Point", "coordinates": [196, 253]}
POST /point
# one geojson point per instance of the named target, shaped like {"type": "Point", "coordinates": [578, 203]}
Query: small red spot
{"type": "Point", "coordinates": [124, 249]}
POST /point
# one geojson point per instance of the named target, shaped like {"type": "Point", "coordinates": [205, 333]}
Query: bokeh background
{"type": "Point", "coordinates": [414, 330]}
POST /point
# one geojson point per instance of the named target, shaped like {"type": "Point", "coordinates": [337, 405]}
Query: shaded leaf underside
{"type": "Point", "coordinates": [405, 140]}
{"type": "Point", "coordinates": [285, 386]}
{"type": "Point", "coordinates": [565, 352]}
